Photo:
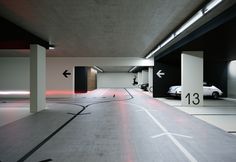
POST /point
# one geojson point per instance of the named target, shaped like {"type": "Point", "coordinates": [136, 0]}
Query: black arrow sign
{"type": "Point", "coordinates": [65, 73]}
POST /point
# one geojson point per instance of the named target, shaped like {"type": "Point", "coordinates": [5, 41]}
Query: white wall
{"type": "Point", "coordinates": [144, 76]}
{"type": "Point", "coordinates": [54, 75]}
{"type": "Point", "coordinates": [150, 76]}
{"type": "Point", "coordinates": [140, 78]}
{"type": "Point", "coordinates": [14, 74]}
{"type": "Point", "coordinates": [115, 80]}
{"type": "Point", "coordinates": [232, 79]}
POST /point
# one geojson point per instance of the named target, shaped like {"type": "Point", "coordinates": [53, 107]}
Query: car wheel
{"type": "Point", "coordinates": [215, 95]}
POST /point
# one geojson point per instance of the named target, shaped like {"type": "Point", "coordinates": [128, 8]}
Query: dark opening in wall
{"type": "Point", "coordinates": [80, 80]}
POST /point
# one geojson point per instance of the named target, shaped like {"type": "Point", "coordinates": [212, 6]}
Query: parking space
{"type": "Point", "coordinates": [220, 113]}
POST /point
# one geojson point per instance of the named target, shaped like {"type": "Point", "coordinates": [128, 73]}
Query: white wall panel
{"type": "Point", "coordinates": [115, 80]}
{"type": "Point", "coordinates": [14, 74]}
{"type": "Point", "coordinates": [140, 78]}
{"type": "Point", "coordinates": [144, 76]}
{"type": "Point", "coordinates": [232, 79]}
{"type": "Point", "coordinates": [150, 76]}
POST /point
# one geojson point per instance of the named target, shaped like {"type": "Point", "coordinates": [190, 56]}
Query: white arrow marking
{"type": "Point", "coordinates": [172, 138]}
{"type": "Point", "coordinates": [174, 134]}
{"type": "Point", "coordinates": [143, 110]}
{"type": "Point", "coordinates": [159, 74]}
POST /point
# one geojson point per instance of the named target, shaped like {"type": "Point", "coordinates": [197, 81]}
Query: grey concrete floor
{"type": "Point", "coordinates": [220, 113]}
{"type": "Point", "coordinates": [12, 110]}
{"type": "Point", "coordinates": [130, 127]}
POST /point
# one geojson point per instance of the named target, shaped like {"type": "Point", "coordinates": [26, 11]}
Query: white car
{"type": "Point", "coordinates": [208, 90]}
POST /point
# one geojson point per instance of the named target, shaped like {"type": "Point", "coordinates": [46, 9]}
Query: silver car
{"type": "Point", "coordinates": [208, 90]}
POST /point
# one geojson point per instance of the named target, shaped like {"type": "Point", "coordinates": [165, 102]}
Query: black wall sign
{"type": "Point", "coordinates": [168, 75]}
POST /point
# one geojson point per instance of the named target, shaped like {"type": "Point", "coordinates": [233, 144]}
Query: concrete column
{"type": "Point", "coordinates": [144, 76]}
{"type": "Point", "coordinates": [231, 77]}
{"type": "Point", "coordinates": [37, 78]}
{"type": "Point", "coordinates": [140, 80]}
{"type": "Point", "coordinates": [192, 78]}
{"type": "Point", "coordinates": [150, 76]}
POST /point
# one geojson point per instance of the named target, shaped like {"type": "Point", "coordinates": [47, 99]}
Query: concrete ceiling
{"type": "Point", "coordinates": [98, 28]}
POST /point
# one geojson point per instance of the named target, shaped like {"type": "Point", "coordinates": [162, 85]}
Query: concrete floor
{"type": "Point", "coordinates": [130, 127]}
{"type": "Point", "coordinates": [12, 110]}
{"type": "Point", "coordinates": [220, 113]}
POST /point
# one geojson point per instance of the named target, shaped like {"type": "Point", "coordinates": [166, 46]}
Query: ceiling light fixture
{"type": "Point", "coordinates": [97, 68]}
{"type": "Point", "coordinates": [51, 47]}
{"type": "Point", "coordinates": [212, 4]}
{"type": "Point", "coordinates": [153, 52]}
{"type": "Point", "coordinates": [192, 20]}
{"type": "Point", "coordinates": [167, 40]}
{"type": "Point", "coordinates": [132, 69]}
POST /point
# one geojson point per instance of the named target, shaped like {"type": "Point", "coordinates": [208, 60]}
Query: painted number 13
{"type": "Point", "coordinates": [195, 100]}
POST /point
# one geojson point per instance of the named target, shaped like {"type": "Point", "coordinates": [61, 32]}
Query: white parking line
{"type": "Point", "coordinates": [174, 134]}
{"type": "Point", "coordinates": [172, 138]}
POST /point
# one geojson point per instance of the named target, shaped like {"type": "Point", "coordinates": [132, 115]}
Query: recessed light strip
{"type": "Point", "coordinates": [14, 92]}
{"type": "Point", "coordinates": [211, 5]}
{"type": "Point", "coordinates": [186, 25]}
{"type": "Point", "coordinates": [152, 53]}
{"type": "Point", "coordinates": [132, 69]}
{"type": "Point", "coordinates": [192, 20]}
{"type": "Point", "coordinates": [167, 40]}
{"type": "Point", "coordinates": [51, 47]}
{"type": "Point", "coordinates": [97, 68]}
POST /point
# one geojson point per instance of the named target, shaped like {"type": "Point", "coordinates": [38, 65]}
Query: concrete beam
{"type": "Point", "coordinates": [102, 61]}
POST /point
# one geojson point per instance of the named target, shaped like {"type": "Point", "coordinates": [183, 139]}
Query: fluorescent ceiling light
{"type": "Point", "coordinates": [97, 68]}
{"type": "Point", "coordinates": [211, 5]}
{"type": "Point", "coordinates": [132, 69]}
{"type": "Point", "coordinates": [152, 53]}
{"type": "Point", "coordinates": [168, 40]}
{"type": "Point", "coordinates": [93, 70]}
{"type": "Point", "coordinates": [14, 92]}
{"type": "Point", "coordinates": [187, 24]}
{"type": "Point", "coordinates": [192, 20]}
{"type": "Point", "coordinates": [51, 47]}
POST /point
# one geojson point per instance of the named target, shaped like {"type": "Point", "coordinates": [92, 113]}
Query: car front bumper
{"type": "Point", "coordinates": [174, 94]}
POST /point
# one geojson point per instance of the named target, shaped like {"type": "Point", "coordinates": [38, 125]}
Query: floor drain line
{"type": "Point", "coordinates": [79, 114]}
{"type": "Point", "coordinates": [47, 160]}
{"type": "Point", "coordinates": [71, 113]}
{"type": "Point", "coordinates": [231, 131]}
